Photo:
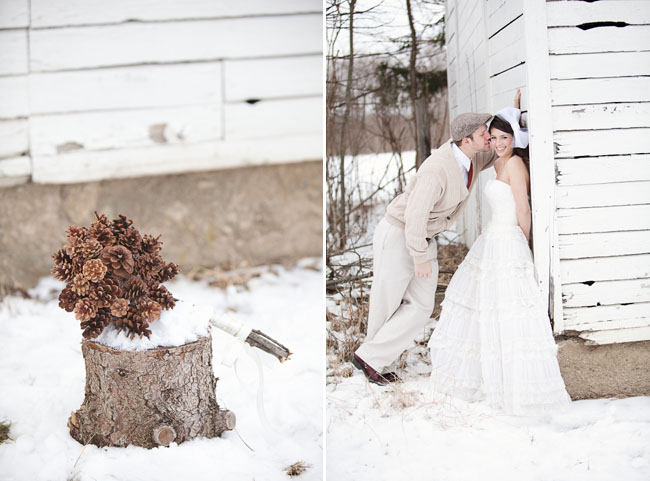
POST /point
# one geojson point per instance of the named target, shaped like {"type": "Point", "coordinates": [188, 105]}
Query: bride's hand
{"type": "Point", "coordinates": [518, 99]}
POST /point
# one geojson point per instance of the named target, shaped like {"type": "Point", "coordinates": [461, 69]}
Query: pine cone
{"type": "Point", "coordinates": [64, 272]}
{"type": "Point", "coordinates": [135, 288]}
{"type": "Point", "coordinates": [94, 327]}
{"type": "Point", "coordinates": [104, 236]}
{"type": "Point", "coordinates": [168, 272]}
{"type": "Point", "coordinates": [67, 299]}
{"type": "Point", "coordinates": [91, 248]}
{"type": "Point", "coordinates": [106, 292]}
{"type": "Point", "coordinates": [119, 259]}
{"type": "Point", "coordinates": [100, 229]}
{"type": "Point", "coordinates": [94, 270]}
{"type": "Point", "coordinates": [80, 285]}
{"type": "Point", "coordinates": [75, 234]}
{"type": "Point", "coordinates": [134, 323]}
{"type": "Point", "coordinates": [61, 257]}
{"type": "Point", "coordinates": [131, 239]}
{"type": "Point", "coordinates": [151, 245]}
{"type": "Point", "coordinates": [85, 309]}
{"type": "Point", "coordinates": [120, 225]}
{"type": "Point", "coordinates": [101, 219]}
{"type": "Point", "coordinates": [163, 297]}
{"type": "Point", "coordinates": [149, 265]}
{"type": "Point", "coordinates": [120, 307]}
{"type": "Point", "coordinates": [150, 311]}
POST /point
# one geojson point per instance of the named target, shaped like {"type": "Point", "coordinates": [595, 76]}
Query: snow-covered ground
{"type": "Point", "coordinates": [395, 433]}
{"type": "Point", "coordinates": [42, 382]}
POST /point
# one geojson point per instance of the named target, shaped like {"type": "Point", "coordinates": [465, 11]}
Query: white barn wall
{"type": "Point", "coordinates": [592, 209]}
{"type": "Point", "coordinates": [600, 105]}
{"type": "Point", "coordinates": [467, 81]}
{"type": "Point", "coordinates": [98, 95]}
{"type": "Point", "coordinates": [486, 65]}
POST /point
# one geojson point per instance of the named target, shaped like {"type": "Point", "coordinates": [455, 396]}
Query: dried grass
{"type": "Point", "coordinates": [297, 468]}
{"type": "Point", "coordinates": [4, 431]}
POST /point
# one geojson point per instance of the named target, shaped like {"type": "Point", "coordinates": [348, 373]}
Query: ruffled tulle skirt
{"type": "Point", "coordinates": [493, 341]}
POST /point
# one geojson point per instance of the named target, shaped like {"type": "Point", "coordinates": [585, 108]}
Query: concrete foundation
{"type": "Point", "coordinates": [229, 218]}
{"type": "Point", "coordinates": [612, 370]}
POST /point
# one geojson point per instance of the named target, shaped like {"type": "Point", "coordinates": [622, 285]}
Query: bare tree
{"type": "Point", "coordinates": [420, 104]}
{"type": "Point", "coordinates": [376, 102]}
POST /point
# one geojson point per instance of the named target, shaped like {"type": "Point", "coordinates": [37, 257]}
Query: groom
{"type": "Point", "coordinates": [405, 264]}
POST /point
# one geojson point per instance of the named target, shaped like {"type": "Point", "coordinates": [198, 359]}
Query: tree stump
{"type": "Point", "coordinates": [149, 398]}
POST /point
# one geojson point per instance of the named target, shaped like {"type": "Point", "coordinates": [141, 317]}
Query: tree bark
{"type": "Point", "coordinates": [343, 219]}
{"type": "Point", "coordinates": [419, 102]}
{"type": "Point", "coordinates": [149, 398]}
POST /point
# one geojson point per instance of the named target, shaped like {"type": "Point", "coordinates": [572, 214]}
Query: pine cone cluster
{"type": "Point", "coordinates": [113, 274]}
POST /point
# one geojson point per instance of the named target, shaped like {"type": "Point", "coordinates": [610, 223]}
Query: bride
{"type": "Point", "coordinates": [494, 341]}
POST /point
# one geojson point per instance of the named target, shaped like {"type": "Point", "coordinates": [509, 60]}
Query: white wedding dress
{"type": "Point", "coordinates": [494, 341]}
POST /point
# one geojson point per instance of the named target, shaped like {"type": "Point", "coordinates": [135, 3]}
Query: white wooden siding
{"type": "Point", "coordinates": [588, 245]}
{"type": "Point", "coordinates": [167, 42]}
{"type": "Point", "coordinates": [468, 88]}
{"type": "Point", "coordinates": [155, 160]}
{"type": "Point", "coordinates": [600, 96]}
{"type": "Point", "coordinates": [590, 105]}
{"type": "Point", "coordinates": [46, 13]}
{"type": "Point", "coordinates": [14, 14]}
{"type": "Point", "coordinates": [128, 88]}
{"type": "Point", "coordinates": [15, 164]}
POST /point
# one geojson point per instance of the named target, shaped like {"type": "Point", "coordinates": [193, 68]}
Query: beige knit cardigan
{"type": "Point", "coordinates": [434, 198]}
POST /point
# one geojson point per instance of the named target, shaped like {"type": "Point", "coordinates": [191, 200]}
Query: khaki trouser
{"type": "Point", "coordinates": [400, 303]}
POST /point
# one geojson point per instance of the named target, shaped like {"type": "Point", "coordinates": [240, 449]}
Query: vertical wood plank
{"type": "Point", "coordinates": [545, 247]}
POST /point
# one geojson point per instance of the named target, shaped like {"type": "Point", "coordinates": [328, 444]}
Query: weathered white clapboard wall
{"type": "Point", "coordinates": [600, 105]}
{"type": "Point", "coordinates": [467, 88]}
{"type": "Point", "coordinates": [92, 90]}
{"type": "Point", "coordinates": [586, 96]}
{"type": "Point", "coordinates": [486, 65]}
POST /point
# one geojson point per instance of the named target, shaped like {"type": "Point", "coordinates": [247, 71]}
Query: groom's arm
{"type": "Point", "coordinates": [428, 189]}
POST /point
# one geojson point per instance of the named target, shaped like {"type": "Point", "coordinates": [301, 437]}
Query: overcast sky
{"type": "Point", "coordinates": [385, 22]}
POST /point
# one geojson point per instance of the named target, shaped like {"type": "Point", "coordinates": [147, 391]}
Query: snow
{"type": "Point", "coordinates": [42, 382]}
{"type": "Point", "coordinates": [396, 432]}
{"type": "Point", "coordinates": [184, 323]}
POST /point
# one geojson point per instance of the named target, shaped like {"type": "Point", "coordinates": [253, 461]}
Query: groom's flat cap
{"type": "Point", "coordinates": [465, 124]}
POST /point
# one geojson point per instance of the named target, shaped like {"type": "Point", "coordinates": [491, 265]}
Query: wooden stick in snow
{"type": "Point", "coordinates": [264, 342]}
{"type": "Point", "coordinates": [235, 327]}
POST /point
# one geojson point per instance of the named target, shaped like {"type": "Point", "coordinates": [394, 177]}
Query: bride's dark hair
{"type": "Point", "coordinates": [503, 126]}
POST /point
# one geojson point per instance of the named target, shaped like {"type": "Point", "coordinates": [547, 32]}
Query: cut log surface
{"type": "Point", "coordinates": [149, 398]}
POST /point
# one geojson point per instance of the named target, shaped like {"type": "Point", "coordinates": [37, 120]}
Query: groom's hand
{"type": "Point", "coordinates": [423, 270]}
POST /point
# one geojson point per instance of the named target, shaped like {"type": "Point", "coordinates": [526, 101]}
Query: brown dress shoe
{"type": "Point", "coordinates": [391, 377]}
{"type": "Point", "coordinates": [372, 375]}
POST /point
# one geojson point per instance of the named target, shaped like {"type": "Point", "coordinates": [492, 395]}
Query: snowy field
{"type": "Point", "coordinates": [395, 433]}
{"type": "Point", "coordinates": [42, 382]}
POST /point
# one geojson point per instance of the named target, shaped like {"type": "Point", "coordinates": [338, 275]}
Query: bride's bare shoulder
{"type": "Point", "coordinates": [515, 165]}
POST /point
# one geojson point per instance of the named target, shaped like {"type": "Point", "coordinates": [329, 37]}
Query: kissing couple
{"type": "Point", "coordinates": [493, 341]}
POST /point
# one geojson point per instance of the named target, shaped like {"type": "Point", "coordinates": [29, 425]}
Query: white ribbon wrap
{"type": "Point", "coordinates": [240, 330]}
{"type": "Point", "coordinates": [233, 326]}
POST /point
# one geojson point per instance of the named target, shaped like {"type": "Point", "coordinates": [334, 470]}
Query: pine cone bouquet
{"type": "Point", "coordinates": [113, 275]}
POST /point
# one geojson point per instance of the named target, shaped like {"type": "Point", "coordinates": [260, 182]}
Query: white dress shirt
{"type": "Point", "coordinates": [464, 162]}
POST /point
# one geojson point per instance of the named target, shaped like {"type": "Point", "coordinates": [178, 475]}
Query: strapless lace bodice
{"type": "Point", "coordinates": [502, 204]}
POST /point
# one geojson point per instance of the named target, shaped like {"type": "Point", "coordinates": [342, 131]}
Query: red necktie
{"type": "Point", "coordinates": [469, 176]}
